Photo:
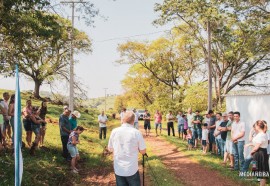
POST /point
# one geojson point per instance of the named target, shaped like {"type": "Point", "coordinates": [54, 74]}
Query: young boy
{"type": "Point", "coordinates": [72, 147]}
{"type": "Point", "coordinates": [189, 138]}
{"type": "Point", "coordinates": [205, 138]}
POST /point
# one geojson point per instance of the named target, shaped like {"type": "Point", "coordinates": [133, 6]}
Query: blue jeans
{"type": "Point", "coordinates": [238, 152]}
{"type": "Point", "coordinates": [133, 180]}
{"type": "Point", "coordinates": [221, 145]}
{"type": "Point", "coordinates": [246, 164]}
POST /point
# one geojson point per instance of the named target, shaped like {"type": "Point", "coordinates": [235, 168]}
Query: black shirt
{"type": "Point", "coordinates": [223, 133]}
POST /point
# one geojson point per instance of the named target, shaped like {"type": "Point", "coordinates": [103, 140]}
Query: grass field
{"type": "Point", "coordinates": [48, 167]}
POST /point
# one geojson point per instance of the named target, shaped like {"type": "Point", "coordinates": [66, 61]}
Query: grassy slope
{"type": "Point", "coordinates": [48, 167]}
{"type": "Point", "coordinates": [100, 102]}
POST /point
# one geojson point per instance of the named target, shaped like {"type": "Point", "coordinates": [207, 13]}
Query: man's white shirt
{"type": "Point", "coordinates": [103, 119]}
{"type": "Point", "coordinates": [126, 141]}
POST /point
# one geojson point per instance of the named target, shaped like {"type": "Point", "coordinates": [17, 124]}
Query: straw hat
{"type": "Point", "coordinates": [76, 113]}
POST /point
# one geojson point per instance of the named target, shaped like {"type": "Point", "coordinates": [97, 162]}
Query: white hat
{"type": "Point", "coordinates": [76, 113]}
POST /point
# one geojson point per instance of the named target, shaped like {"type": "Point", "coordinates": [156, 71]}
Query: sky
{"type": "Point", "coordinates": [99, 69]}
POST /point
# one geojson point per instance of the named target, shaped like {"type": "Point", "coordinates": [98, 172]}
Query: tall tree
{"type": "Point", "coordinates": [41, 57]}
{"type": "Point", "coordinates": [240, 37]}
{"type": "Point", "coordinates": [172, 60]}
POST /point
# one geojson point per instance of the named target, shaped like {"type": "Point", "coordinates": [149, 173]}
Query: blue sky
{"type": "Point", "coordinates": [99, 70]}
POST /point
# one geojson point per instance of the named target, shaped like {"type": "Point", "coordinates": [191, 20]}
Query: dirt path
{"type": "Point", "coordinates": [186, 171]}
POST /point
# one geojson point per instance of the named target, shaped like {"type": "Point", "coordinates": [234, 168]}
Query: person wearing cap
{"type": "Point", "coordinates": [126, 143]}
{"type": "Point", "coordinates": [102, 120]}
{"type": "Point", "coordinates": [73, 119]}
{"type": "Point", "coordinates": [223, 132]}
{"type": "Point", "coordinates": [73, 140]}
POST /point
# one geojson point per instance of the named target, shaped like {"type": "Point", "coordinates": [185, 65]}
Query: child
{"type": "Point", "coordinates": [189, 138]}
{"type": "Point", "coordinates": [72, 147]}
{"type": "Point", "coordinates": [204, 138]}
{"type": "Point", "coordinates": [185, 126]}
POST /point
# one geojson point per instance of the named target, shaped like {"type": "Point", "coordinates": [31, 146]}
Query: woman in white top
{"type": "Point", "coordinates": [259, 151]}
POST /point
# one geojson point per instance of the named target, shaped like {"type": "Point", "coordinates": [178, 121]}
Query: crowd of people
{"type": "Point", "coordinates": [221, 134]}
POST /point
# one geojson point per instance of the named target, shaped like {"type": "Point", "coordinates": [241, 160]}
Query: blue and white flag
{"type": "Point", "coordinates": [18, 133]}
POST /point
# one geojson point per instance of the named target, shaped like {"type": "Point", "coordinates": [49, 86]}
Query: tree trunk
{"type": "Point", "coordinates": [37, 88]}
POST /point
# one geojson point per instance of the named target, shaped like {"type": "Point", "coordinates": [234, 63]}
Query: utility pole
{"type": "Point", "coordinates": [105, 99]}
{"type": "Point", "coordinates": [209, 64]}
{"type": "Point", "coordinates": [71, 73]}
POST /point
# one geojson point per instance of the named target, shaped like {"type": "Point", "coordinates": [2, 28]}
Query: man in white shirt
{"type": "Point", "coordinates": [102, 119]}
{"type": "Point", "coordinates": [238, 139]}
{"type": "Point", "coordinates": [136, 121]}
{"type": "Point", "coordinates": [170, 119]}
{"type": "Point", "coordinates": [125, 143]}
{"type": "Point", "coordinates": [217, 134]}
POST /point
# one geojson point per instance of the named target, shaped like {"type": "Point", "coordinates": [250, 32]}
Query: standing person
{"type": "Point", "coordinates": [158, 120]}
{"type": "Point", "coordinates": [259, 152]}
{"type": "Point", "coordinates": [125, 143]}
{"type": "Point", "coordinates": [217, 134]}
{"type": "Point", "coordinates": [147, 124]}
{"type": "Point", "coordinates": [36, 122]}
{"type": "Point", "coordinates": [185, 126]}
{"type": "Point", "coordinates": [170, 126]}
{"type": "Point", "coordinates": [228, 145]}
{"type": "Point", "coordinates": [190, 117]}
{"type": "Point", "coordinates": [7, 128]}
{"type": "Point", "coordinates": [11, 111]}
{"type": "Point", "coordinates": [205, 140]}
{"type": "Point", "coordinates": [223, 132]}
{"type": "Point", "coordinates": [42, 114]}
{"type": "Point", "coordinates": [238, 139]}
{"type": "Point", "coordinates": [180, 123]}
{"type": "Point", "coordinates": [73, 140]}
{"type": "Point", "coordinates": [65, 130]}
{"type": "Point", "coordinates": [197, 128]}
{"type": "Point", "coordinates": [102, 120]}
{"type": "Point", "coordinates": [248, 148]}
{"type": "Point", "coordinates": [211, 128]}
{"type": "Point", "coordinates": [122, 114]}
{"type": "Point", "coordinates": [136, 122]}
{"type": "Point", "coordinates": [73, 119]}
{"type": "Point", "coordinates": [26, 114]}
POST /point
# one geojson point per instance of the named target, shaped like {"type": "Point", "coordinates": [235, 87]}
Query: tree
{"type": "Point", "coordinates": [41, 57]}
{"type": "Point", "coordinates": [240, 37]}
{"type": "Point", "coordinates": [172, 61]}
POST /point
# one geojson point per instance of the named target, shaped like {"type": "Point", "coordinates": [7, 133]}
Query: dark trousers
{"type": "Point", "coordinates": [133, 180]}
{"type": "Point", "coordinates": [169, 126]}
{"type": "Point", "coordinates": [102, 130]}
{"type": "Point", "coordinates": [64, 140]}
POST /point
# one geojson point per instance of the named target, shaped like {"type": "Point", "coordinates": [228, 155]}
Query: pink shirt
{"type": "Point", "coordinates": [185, 124]}
{"type": "Point", "coordinates": [158, 118]}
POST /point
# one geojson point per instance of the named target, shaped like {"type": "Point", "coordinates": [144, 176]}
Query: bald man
{"type": "Point", "coordinates": [126, 143]}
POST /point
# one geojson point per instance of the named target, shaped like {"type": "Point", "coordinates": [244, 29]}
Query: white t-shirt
{"type": "Point", "coordinates": [218, 122]}
{"type": "Point", "coordinates": [237, 128]}
{"type": "Point", "coordinates": [204, 134]}
{"type": "Point", "coordinates": [103, 119]}
{"type": "Point", "coordinates": [261, 138]}
{"type": "Point", "coordinates": [190, 118]}
{"type": "Point", "coordinates": [4, 104]}
{"type": "Point", "coordinates": [126, 141]}
{"type": "Point", "coordinates": [168, 117]}
{"type": "Point", "coordinates": [136, 117]}
{"type": "Point", "coordinates": [122, 116]}
{"type": "Point", "coordinates": [207, 120]}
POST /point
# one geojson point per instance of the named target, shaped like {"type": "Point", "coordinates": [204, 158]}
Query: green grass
{"type": "Point", "coordinates": [209, 161]}
{"type": "Point", "coordinates": [157, 172]}
{"type": "Point", "coordinates": [48, 167]}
